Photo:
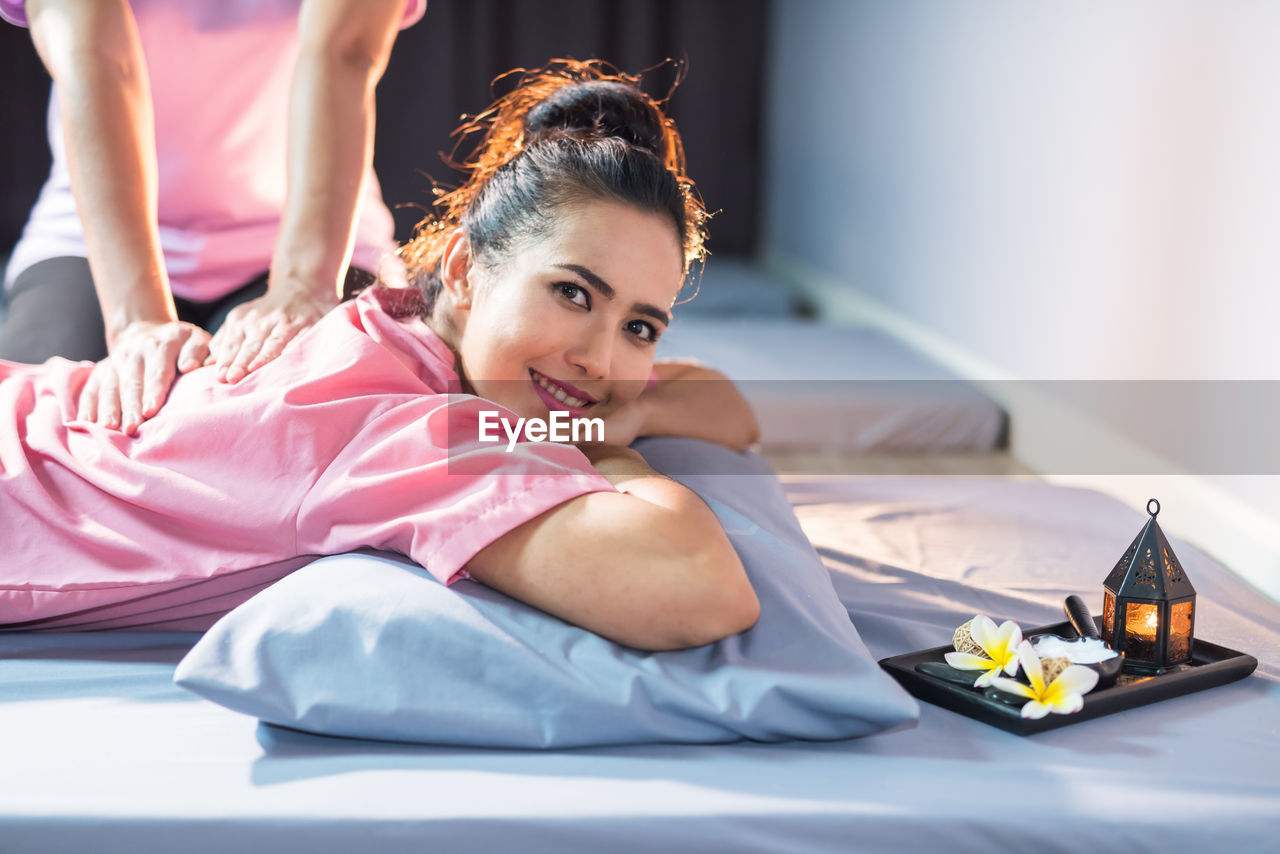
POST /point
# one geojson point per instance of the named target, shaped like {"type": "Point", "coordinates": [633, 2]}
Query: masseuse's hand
{"type": "Point", "coordinates": [131, 384]}
{"type": "Point", "coordinates": [259, 330]}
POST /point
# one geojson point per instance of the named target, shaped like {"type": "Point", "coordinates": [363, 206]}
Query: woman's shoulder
{"type": "Point", "coordinates": [390, 319]}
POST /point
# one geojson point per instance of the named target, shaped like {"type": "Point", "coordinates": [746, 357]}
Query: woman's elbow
{"type": "Point", "coordinates": [737, 611]}
{"type": "Point", "coordinates": [742, 432]}
{"type": "Point", "coordinates": [750, 431]}
{"type": "Point", "coordinates": [725, 605]}
{"type": "Point", "coordinates": [350, 60]}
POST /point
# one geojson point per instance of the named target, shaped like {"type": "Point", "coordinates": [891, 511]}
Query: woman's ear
{"type": "Point", "coordinates": [455, 271]}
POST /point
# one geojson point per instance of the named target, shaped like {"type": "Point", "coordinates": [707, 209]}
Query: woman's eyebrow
{"type": "Point", "coordinates": [606, 290]}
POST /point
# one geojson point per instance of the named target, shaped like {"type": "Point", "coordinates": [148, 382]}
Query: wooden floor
{"type": "Point", "coordinates": [995, 464]}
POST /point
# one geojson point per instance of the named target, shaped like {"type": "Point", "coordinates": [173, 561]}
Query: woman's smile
{"type": "Point", "coordinates": [560, 395]}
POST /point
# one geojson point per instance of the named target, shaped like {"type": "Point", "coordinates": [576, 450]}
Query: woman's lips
{"type": "Point", "coordinates": [561, 395]}
{"type": "Point", "coordinates": [568, 388]}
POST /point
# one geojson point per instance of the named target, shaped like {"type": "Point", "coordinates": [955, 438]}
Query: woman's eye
{"type": "Point", "coordinates": [573, 293]}
{"type": "Point", "coordinates": [643, 330]}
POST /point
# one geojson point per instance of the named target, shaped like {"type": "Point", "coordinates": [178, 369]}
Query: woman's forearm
{"type": "Point", "coordinates": [698, 403]}
{"type": "Point", "coordinates": [634, 572]}
{"type": "Point", "coordinates": [93, 54]}
{"type": "Point", "coordinates": [344, 50]}
{"type": "Point", "coordinates": [651, 568]}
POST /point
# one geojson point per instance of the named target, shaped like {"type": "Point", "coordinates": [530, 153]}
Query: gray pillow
{"type": "Point", "coordinates": [372, 646]}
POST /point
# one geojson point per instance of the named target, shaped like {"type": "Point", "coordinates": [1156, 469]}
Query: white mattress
{"type": "Point", "coordinates": [818, 386]}
{"type": "Point", "coordinates": [730, 286]}
{"type": "Point", "coordinates": [100, 752]}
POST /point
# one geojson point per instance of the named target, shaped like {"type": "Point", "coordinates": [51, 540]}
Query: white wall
{"type": "Point", "coordinates": [1084, 190]}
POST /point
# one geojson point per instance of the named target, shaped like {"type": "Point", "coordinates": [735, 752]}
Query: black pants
{"type": "Point", "coordinates": [52, 310]}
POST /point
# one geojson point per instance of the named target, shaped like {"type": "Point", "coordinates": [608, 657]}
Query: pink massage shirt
{"type": "Point", "coordinates": [348, 440]}
{"type": "Point", "coordinates": [219, 73]}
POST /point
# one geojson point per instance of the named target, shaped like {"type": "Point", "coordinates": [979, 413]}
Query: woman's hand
{"type": "Point", "coordinates": [627, 423]}
{"type": "Point", "coordinates": [690, 401]}
{"type": "Point", "coordinates": [257, 331]}
{"type": "Point", "coordinates": [131, 384]}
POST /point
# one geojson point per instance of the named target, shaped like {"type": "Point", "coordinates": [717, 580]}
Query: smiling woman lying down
{"type": "Point", "coordinates": [542, 285]}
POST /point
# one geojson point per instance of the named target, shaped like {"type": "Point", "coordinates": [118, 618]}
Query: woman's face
{"type": "Point", "coordinates": [570, 322]}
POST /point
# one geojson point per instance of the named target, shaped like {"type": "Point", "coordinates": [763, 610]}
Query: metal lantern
{"type": "Point", "coordinates": [1148, 608]}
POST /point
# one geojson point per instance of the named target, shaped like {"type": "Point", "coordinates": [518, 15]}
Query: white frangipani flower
{"type": "Point", "coordinates": [999, 644]}
{"type": "Point", "coordinates": [1063, 696]}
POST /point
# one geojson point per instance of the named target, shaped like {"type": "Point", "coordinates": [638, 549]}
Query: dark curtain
{"type": "Point", "coordinates": [24, 147]}
{"type": "Point", "coordinates": [443, 67]}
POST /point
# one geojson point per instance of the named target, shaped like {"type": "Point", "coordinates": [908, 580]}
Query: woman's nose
{"type": "Point", "coordinates": [593, 355]}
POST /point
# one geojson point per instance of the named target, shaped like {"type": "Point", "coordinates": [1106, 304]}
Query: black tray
{"type": "Point", "coordinates": [1211, 665]}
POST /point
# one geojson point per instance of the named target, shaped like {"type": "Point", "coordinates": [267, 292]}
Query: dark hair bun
{"type": "Point", "coordinates": [600, 108]}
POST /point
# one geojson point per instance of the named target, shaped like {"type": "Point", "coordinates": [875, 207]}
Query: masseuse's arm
{"type": "Point", "coordinates": [690, 401]}
{"type": "Point", "coordinates": [91, 50]}
{"type": "Point", "coordinates": [345, 45]}
{"type": "Point", "coordinates": [648, 566]}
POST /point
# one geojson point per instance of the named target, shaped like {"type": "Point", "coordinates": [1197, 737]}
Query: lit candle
{"type": "Point", "coordinates": [1140, 627]}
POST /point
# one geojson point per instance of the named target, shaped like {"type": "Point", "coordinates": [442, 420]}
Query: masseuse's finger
{"type": "Point", "coordinates": [159, 359]}
{"type": "Point", "coordinates": [274, 344]}
{"type": "Point", "coordinates": [131, 370]}
{"type": "Point", "coordinates": [108, 395]}
{"type": "Point", "coordinates": [87, 409]}
{"type": "Point", "coordinates": [227, 342]}
{"type": "Point", "coordinates": [195, 350]}
{"type": "Point", "coordinates": [236, 367]}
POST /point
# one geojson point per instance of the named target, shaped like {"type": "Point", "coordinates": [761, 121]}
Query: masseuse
{"type": "Point", "coordinates": [542, 284]}
{"type": "Point", "coordinates": [169, 213]}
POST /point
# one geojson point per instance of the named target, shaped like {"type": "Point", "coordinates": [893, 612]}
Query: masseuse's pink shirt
{"type": "Point", "coordinates": [350, 439]}
{"type": "Point", "coordinates": [219, 73]}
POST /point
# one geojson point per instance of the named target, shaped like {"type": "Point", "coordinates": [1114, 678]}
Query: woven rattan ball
{"type": "Point", "coordinates": [1052, 666]}
{"type": "Point", "coordinates": [964, 642]}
